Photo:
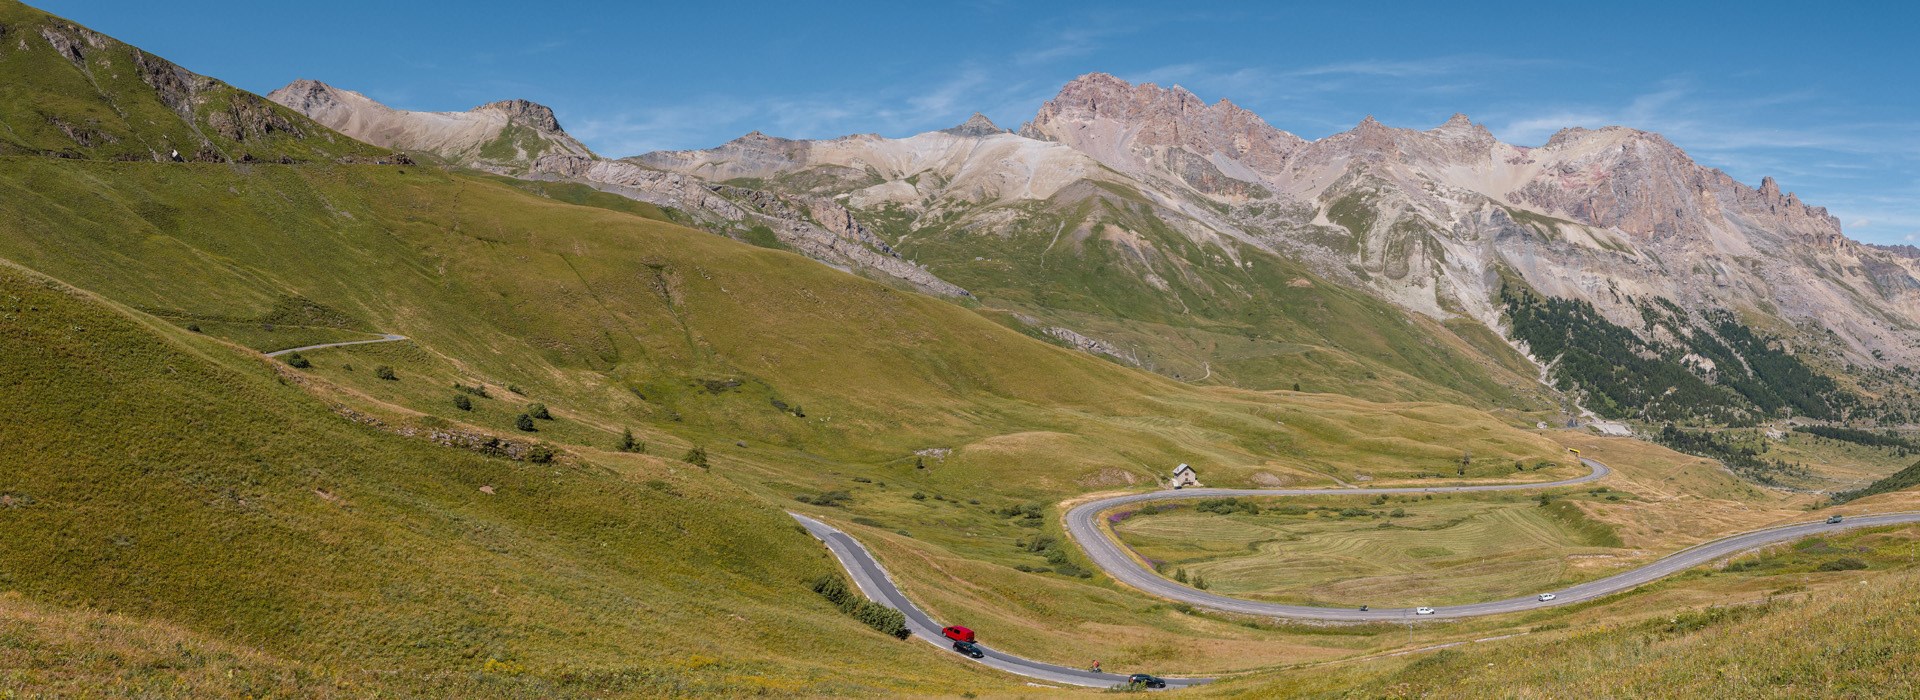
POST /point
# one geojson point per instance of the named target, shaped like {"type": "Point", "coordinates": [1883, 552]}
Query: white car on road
{"type": "Point", "coordinates": [1423, 611]}
{"type": "Point", "coordinates": [1544, 597]}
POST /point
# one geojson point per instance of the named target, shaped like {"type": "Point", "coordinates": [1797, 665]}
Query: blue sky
{"type": "Point", "coordinates": [1824, 100]}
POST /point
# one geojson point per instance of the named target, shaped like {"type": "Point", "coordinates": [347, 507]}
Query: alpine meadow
{"type": "Point", "coordinates": [313, 394]}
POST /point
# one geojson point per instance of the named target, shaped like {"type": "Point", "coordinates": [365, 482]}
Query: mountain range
{"type": "Point", "coordinates": [310, 396]}
{"type": "Point", "coordinates": [1140, 223]}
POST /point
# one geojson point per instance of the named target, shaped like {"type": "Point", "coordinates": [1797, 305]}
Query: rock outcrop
{"type": "Point", "coordinates": [975, 126]}
{"type": "Point", "coordinates": [505, 136]}
{"type": "Point", "coordinates": [816, 227]}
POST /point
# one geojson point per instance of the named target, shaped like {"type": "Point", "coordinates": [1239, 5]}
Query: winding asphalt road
{"type": "Point", "coordinates": [1106, 552]}
{"type": "Point", "coordinates": [878, 586]}
{"type": "Point", "coordinates": [387, 338]}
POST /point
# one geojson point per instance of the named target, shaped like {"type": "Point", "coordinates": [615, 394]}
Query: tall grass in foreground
{"type": "Point", "coordinates": [1860, 641]}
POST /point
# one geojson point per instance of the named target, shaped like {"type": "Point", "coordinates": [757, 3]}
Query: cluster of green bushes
{"type": "Point", "coordinates": [1887, 439]}
{"type": "Point", "coordinates": [1227, 506]}
{"type": "Point", "coordinates": [880, 617]}
{"type": "Point", "coordinates": [1743, 459]}
{"type": "Point", "coordinates": [830, 499]}
{"type": "Point", "coordinates": [1028, 511]}
{"type": "Point", "coordinates": [1197, 581]}
{"type": "Point", "coordinates": [1051, 549]}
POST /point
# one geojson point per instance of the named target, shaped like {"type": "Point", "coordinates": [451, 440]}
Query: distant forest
{"type": "Point", "coordinates": [1624, 375]}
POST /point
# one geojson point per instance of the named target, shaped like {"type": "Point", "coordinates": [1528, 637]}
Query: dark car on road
{"type": "Point", "coordinates": [969, 648]}
{"type": "Point", "coordinates": [1141, 680]}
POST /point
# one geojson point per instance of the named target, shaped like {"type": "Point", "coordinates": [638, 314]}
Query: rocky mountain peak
{"type": "Point", "coordinates": [532, 114]}
{"type": "Point", "coordinates": [1372, 137]}
{"type": "Point", "coordinates": [478, 137]}
{"type": "Point", "coordinates": [1123, 125]}
{"type": "Point", "coordinates": [306, 92]}
{"type": "Point", "coordinates": [975, 126]}
{"type": "Point", "coordinates": [310, 96]}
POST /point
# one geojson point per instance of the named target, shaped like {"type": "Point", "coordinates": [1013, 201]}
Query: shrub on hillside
{"type": "Point", "coordinates": [385, 372]}
{"type": "Point", "coordinates": [1226, 506]}
{"type": "Point", "coordinates": [479, 390]}
{"type": "Point", "coordinates": [297, 362]}
{"type": "Point", "coordinates": [539, 410]}
{"type": "Point", "coordinates": [628, 444]}
{"type": "Point", "coordinates": [1844, 564]}
{"type": "Point", "coordinates": [524, 422]}
{"type": "Point", "coordinates": [1030, 511]}
{"type": "Point", "coordinates": [880, 617]}
{"type": "Point", "coordinates": [830, 499]}
{"type": "Point", "coordinates": [696, 457]}
{"type": "Point", "coordinates": [540, 454]}
{"type": "Point", "coordinates": [460, 401]}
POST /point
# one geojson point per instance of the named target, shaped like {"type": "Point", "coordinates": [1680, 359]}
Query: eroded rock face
{"type": "Point", "coordinates": [538, 116]}
{"type": "Point", "coordinates": [1131, 127]}
{"type": "Point", "coordinates": [752, 155]}
{"type": "Point", "coordinates": [816, 227]}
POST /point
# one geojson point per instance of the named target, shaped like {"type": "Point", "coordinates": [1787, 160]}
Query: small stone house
{"type": "Point", "coordinates": [1183, 477]}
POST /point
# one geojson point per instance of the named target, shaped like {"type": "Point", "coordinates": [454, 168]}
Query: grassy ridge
{"type": "Point", "coordinates": [68, 91]}
{"type": "Point", "coordinates": [217, 499]}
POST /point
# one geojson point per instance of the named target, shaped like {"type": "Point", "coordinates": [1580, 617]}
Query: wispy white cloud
{"type": "Point", "coordinates": [1415, 68]}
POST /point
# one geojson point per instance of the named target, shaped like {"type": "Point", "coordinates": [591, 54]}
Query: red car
{"type": "Point", "coordinates": [957, 633]}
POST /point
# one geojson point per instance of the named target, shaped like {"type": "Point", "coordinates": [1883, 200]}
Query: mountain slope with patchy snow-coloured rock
{"type": "Point", "coordinates": [1436, 221]}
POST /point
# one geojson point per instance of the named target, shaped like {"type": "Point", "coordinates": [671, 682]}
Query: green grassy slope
{"type": "Point", "coordinates": [1098, 259]}
{"type": "Point", "coordinates": [66, 90]}
{"type": "Point", "coordinates": [635, 322]}
{"type": "Point", "coordinates": [162, 475]}
{"type": "Point", "coordinates": [1845, 640]}
{"type": "Point", "coordinates": [1402, 552]}
{"type": "Point", "coordinates": [616, 321]}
